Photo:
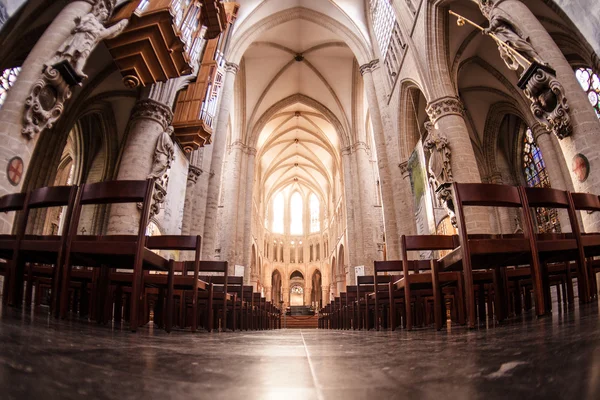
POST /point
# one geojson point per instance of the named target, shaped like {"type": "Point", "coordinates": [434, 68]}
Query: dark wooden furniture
{"type": "Point", "coordinates": [478, 252]}
{"type": "Point", "coordinates": [426, 275]}
{"type": "Point", "coordinates": [8, 242]}
{"type": "Point", "coordinates": [118, 251]}
{"type": "Point", "coordinates": [590, 241]}
{"type": "Point", "coordinates": [559, 247]}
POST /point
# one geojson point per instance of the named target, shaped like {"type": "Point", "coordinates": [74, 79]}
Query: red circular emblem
{"type": "Point", "coordinates": [14, 170]}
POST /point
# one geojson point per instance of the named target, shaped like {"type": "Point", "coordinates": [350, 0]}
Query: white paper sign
{"type": "Point", "coordinates": [239, 270]}
{"type": "Point", "coordinates": [359, 271]}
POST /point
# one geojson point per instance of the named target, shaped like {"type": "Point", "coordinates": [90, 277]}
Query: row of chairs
{"type": "Point", "coordinates": [112, 278]}
{"type": "Point", "coordinates": [474, 274]}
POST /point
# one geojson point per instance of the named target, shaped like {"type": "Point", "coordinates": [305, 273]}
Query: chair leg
{"type": "Point", "coordinates": [407, 304]}
{"type": "Point", "coordinates": [169, 307]}
{"type": "Point", "coordinates": [437, 295]}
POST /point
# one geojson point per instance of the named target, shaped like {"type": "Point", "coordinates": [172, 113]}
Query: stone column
{"type": "Point", "coordinates": [14, 144]}
{"type": "Point", "coordinates": [406, 224]}
{"type": "Point", "coordinates": [354, 216]}
{"type": "Point", "coordinates": [247, 247]}
{"type": "Point", "coordinates": [219, 145]}
{"type": "Point", "coordinates": [446, 114]}
{"type": "Point", "coordinates": [585, 138]}
{"type": "Point", "coordinates": [366, 186]}
{"type": "Point", "coordinates": [232, 206]}
{"type": "Point", "coordinates": [387, 150]}
{"type": "Point", "coordinates": [194, 173]}
{"type": "Point", "coordinates": [149, 119]}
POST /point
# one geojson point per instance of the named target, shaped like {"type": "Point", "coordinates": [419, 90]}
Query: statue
{"type": "Point", "coordinates": [163, 156]}
{"type": "Point", "coordinates": [503, 29]}
{"type": "Point", "coordinates": [439, 167]}
{"type": "Point", "coordinates": [88, 32]}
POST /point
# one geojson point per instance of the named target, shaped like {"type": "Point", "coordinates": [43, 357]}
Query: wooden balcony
{"type": "Point", "coordinates": [196, 105]}
{"type": "Point", "coordinates": [162, 41]}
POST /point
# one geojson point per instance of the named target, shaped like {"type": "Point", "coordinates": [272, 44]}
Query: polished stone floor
{"type": "Point", "coordinates": [557, 357]}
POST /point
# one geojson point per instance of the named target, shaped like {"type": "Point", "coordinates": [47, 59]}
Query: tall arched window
{"type": "Point", "coordinates": [534, 170]}
{"type": "Point", "coordinates": [383, 19]}
{"type": "Point", "coordinates": [278, 205]}
{"type": "Point", "coordinates": [315, 222]}
{"type": "Point", "coordinates": [590, 82]}
{"type": "Point", "coordinates": [8, 78]}
{"type": "Point", "coordinates": [296, 214]}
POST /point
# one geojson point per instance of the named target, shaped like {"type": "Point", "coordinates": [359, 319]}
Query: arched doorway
{"type": "Point", "coordinates": [315, 297]}
{"type": "Point", "coordinates": [276, 295]}
{"type": "Point", "coordinates": [296, 289]}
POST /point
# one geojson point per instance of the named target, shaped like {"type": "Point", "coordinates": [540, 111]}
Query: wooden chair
{"type": "Point", "coordinates": [178, 277]}
{"type": "Point", "coordinates": [426, 275]}
{"type": "Point", "coordinates": [383, 294]}
{"type": "Point", "coordinates": [9, 243]}
{"type": "Point", "coordinates": [559, 247]}
{"type": "Point", "coordinates": [492, 251]}
{"type": "Point", "coordinates": [118, 251]}
{"type": "Point", "coordinates": [590, 241]}
{"type": "Point", "coordinates": [44, 249]}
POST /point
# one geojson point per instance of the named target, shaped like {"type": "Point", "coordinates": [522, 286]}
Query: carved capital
{"type": "Point", "coordinates": [444, 106]}
{"type": "Point", "coordinates": [151, 109]}
{"type": "Point", "coordinates": [46, 102]}
{"type": "Point", "coordinates": [232, 68]}
{"type": "Point", "coordinates": [369, 67]}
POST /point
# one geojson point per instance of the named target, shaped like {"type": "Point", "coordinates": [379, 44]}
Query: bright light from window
{"type": "Point", "coordinates": [296, 214]}
{"type": "Point", "coordinates": [7, 79]}
{"type": "Point", "coordinates": [315, 223]}
{"type": "Point", "coordinates": [278, 205]}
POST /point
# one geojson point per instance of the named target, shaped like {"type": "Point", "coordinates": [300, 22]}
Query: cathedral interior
{"type": "Point", "coordinates": [300, 199]}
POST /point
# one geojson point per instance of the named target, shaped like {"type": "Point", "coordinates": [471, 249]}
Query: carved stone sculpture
{"type": "Point", "coordinates": [164, 154]}
{"type": "Point", "coordinates": [502, 26]}
{"type": "Point", "coordinates": [439, 168]}
{"type": "Point", "coordinates": [88, 32]}
{"type": "Point", "coordinates": [548, 102]}
{"type": "Point", "coordinates": [46, 103]}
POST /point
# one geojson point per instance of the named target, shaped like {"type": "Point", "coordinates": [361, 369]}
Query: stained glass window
{"type": "Point", "coordinates": [8, 78]}
{"type": "Point", "coordinates": [296, 214]}
{"type": "Point", "coordinates": [590, 82]}
{"type": "Point", "coordinates": [315, 224]}
{"type": "Point", "coordinates": [383, 19]}
{"type": "Point", "coordinates": [534, 170]}
{"type": "Point", "coordinates": [278, 205]}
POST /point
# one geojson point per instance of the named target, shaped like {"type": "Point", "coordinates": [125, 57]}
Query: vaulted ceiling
{"type": "Point", "coordinates": [298, 93]}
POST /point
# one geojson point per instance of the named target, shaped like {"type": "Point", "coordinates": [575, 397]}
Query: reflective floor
{"type": "Point", "coordinates": [557, 357]}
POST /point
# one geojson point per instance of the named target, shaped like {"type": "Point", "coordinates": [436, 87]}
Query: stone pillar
{"type": "Point", "coordinates": [149, 119]}
{"type": "Point", "coordinates": [585, 138]}
{"type": "Point", "coordinates": [268, 294]}
{"type": "Point", "coordinates": [14, 144]}
{"type": "Point", "coordinates": [446, 114]}
{"type": "Point", "coordinates": [247, 247]}
{"type": "Point", "coordinates": [366, 188]}
{"type": "Point", "coordinates": [406, 224]}
{"type": "Point", "coordinates": [194, 173]}
{"type": "Point", "coordinates": [219, 145]}
{"type": "Point", "coordinates": [387, 150]}
{"type": "Point", "coordinates": [354, 220]}
{"type": "Point", "coordinates": [232, 206]}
